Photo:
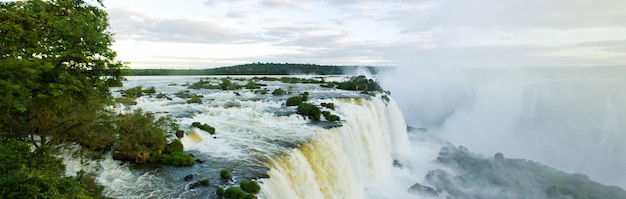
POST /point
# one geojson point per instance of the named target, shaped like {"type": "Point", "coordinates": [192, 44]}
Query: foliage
{"type": "Point", "coordinates": [235, 193]}
{"type": "Point", "coordinates": [330, 117]}
{"type": "Point", "coordinates": [279, 91]}
{"type": "Point", "coordinates": [38, 174]}
{"type": "Point", "coordinates": [263, 69]}
{"type": "Point", "coordinates": [57, 68]}
{"type": "Point", "coordinates": [331, 106]}
{"type": "Point", "coordinates": [140, 137]}
{"type": "Point", "coordinates": [175, 146]}
{"type": "Point", "coordinates": [310, 111]}
{"type": "Point", "coordinates": [225, 174]}
{"type": "Point", "coordinates": [186, 94]}
{"type": "Point", "coordinates": [250, 186]}
{"type": "Point", "coordinates": [195, 100]}
{"type": "Point", "coordinates": [125, 101]}
{"type": "Point", "coordinates": [252, 85]}
{"type": "Point", "coordinates": [161, 95]}
{"type": "Point", "coordinates": [204, 127]}
{"type": "Point", "coordinates": [359, 83]}
{"type": "Point", "coordinates": [174, 158]}
{"type": "Point", "coordinates": [204, 182]}
{"type": "Point", "coordinates": [132, 93]}
{"type": "Point", "coordinates": [219, 191]}
{"type": "Point", "coordinates": [294, 100]}
{"type": "Point", "coordinates": [228, 85]}
{"type": "Point", "coordinates": [151, 90]}
{"type": "Point", "coordinates": [512, 177]}
{"type": "Point", "coordinates": [202, 84]}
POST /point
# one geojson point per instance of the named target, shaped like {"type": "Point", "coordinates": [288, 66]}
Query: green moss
{"type": "Point", "coordinates": [225, 174]}
{"type": "Point", "coordinates": [175, 158]}
{"type": "Point", "coordinates": [204, 182]}
{"type": "Point", "coordinates": [161, 95]}
{"type": "Point", "coordinates": [204, 127]}
{"type": "Point", "coordinates": [126, 101]}
{"type": "Point", "coordinates": [310, 111]}
{"type": "Point", "coordinates": [249, 186]}
{"type": "Point", "coordinates": [252, 85]}
{"type": "Point", "coordinates": [149, 91]}
{"type": "Point", "coordinates": [219, 191]}
{"type": "Point", "coordinates": [278, 92]}
{"type": "Point", "coordinates": [294, 100]}
{"type": "Point", "coordinates": [195, 100]}
{"type": "Point", "coordinates": [330, 117]}
{"type": "Point", "coordinates": [175, 146]}
{"type": "Point", "coordinates": [331, 106]}
{"type": "Point", "coordinates": [235, 193]}
{"type": "Point", "coordinates": [132, 93]}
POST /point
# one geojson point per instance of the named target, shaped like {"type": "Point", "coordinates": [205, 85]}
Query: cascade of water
{"type": "Point", "coordinates": [342, 162]}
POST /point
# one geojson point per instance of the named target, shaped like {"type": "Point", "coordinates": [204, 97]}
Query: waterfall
{"type": "Point", "coordinates": [342, 162]}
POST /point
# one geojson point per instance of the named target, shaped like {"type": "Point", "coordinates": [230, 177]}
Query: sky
{"type": "Point", "coordinates": [404, 33]}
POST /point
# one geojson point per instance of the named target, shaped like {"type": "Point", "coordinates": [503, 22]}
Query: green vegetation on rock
{"type": "Point", "coordinates": [278, 92]}
{"type": "Point", "coordinates": [225, 174]}
{"type": "Point", "coordinates": [330, 106]}
{"type": "Point", "coordinates": [204, 127]}
{"type": "Point", "coordinates": [309, 111]}
{"type": "Point", "coordinates": [250, 186]}
{"type": "Point", "coordinates": [295, 100]}
{"type": "Point", "coordinates": [330, 117]}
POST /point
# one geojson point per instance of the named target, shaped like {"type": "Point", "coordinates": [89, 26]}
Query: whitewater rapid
{"type": "Point", "coordinates": [370, 155]}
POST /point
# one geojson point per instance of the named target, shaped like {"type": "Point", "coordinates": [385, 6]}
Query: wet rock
{"type": "Point", "coordinates": [396, 163]}
{"type": "Point", "coordinates": [199, 161]}
{"type": "Point", "coordinates": [188, 177]}
{"type": "Point", "coordinates": [417, 188]}
{"type": "Point", "coordinates": [195, 185]}
{"type": "Point", "coordinates": [180, 133]}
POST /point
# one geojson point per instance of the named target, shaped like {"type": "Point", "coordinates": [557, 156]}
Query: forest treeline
{"type": "Point", "coordinates": [264, 69]}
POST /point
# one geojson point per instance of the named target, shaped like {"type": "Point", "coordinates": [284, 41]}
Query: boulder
{"type": "Point", "coordinates": [417, 188]}
{"type": "Point", "coordinates": [188, 177]}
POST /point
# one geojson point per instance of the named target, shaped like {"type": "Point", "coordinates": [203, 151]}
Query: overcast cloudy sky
{"type": "Point", "coordinates": [466, 33]}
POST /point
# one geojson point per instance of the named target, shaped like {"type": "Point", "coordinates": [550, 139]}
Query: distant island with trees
{"type": "Point", "coordinates": [259, 68]}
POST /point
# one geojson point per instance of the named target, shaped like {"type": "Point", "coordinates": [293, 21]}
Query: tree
{"type": "Point", "coordinates": [57, 68]}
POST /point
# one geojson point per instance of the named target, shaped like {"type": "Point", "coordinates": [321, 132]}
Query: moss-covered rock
{"type": "Point", "coordinates": [204, 127]}
{"type": "Point", "coordinates": [309, 111]}
{"type": "Point", "coordinates": [225, 174]}
{"type": "Point", "coordinates": [294, 100]}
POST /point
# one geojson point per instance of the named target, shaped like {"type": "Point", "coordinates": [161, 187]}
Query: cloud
{"type": "Point", "coordinates": [133, 24]}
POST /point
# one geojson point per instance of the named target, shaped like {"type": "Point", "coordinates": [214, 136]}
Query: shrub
{"type": "Point", "coordinates": [161, 95]}
{"type": "Point", "coordinates": [294, 100]}
{"type": "Point", "coordinates": [219, 191]}
{"type": "Point", "coordinates": [250, 186]}
{"type": "Point", "coordinates": [204, 127]}
{"type": "Point", "coordinates": [132, 93]}
{"type": "Point", "coordinates": [251, 196]}
{"type": "Point", "coordinates": [204, 182]}
{"type": "Point", "coordinates": [331, 106]}
{"type": "Point", "coordinates": [175, 146]}
{"type": "Point", "coordinates": [126, 101]}
{"type": "Point", "coordinates": [150, 90]}
{"type": "Point", "coordinates": [310, 111]}
{"type": "Point", "coordinates": [175, 158]}
{"type": "Point", "coordinates": [235, 193]}
{"type": "Point", "coordinates": [360, 83]}
{"type": "Point", "coordinates": [279, 91]}
{"type": "Point", "coordinates": [195, 99]}
{"type": "Point", "coordinates": [225, 174]}
{"type": "Point", "coordinates": [252, 85]}
{"type": "Point", "coordinates": [330, 117]}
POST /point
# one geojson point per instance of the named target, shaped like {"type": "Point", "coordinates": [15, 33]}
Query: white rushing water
{"type": "Point", "coordinates": [303, 160]}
